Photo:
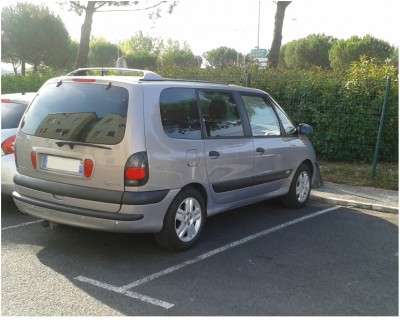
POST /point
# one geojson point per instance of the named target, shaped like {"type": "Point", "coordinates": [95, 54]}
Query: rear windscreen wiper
{"type": "Point", "coordinates": [72, 144]}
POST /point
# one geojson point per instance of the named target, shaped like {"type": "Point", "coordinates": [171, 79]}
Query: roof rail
{"type": "Point", "coordinates": [144, 74]}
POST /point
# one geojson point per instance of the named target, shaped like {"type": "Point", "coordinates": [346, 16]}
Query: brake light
{"type": "Point", "coordinates": [34, 159]}
{"type": "Point", "coordinates": [88, 168]}
{"type": "Point", "coordinates": [135, 173]}
{"type": "Point", "coordinates": [84, 80]}
{"type": "Point", "coordinates": [5, 100]}
{"type": "Point", "coordinates": [8, 145]}
{"type": "Point", "coordinates": [137, 170]}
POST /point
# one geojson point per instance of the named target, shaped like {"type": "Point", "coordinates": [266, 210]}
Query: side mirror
{"type": "Point", "coordinates": [305, 129]}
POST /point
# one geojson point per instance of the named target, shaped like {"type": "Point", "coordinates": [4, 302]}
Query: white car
{"type": "Point", "coordinates": [13, 107]}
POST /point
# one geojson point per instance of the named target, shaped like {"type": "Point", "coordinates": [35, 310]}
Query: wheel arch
{"type": "Point", "coordinates": [310, 165]}
{"type": "Point", "coordinates": [200, 188]}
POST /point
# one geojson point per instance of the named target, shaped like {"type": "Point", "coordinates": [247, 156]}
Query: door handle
{"type": "Point", "coordinates": [213, 154]}
{"type": "Point", "coordinates": [260, 150]}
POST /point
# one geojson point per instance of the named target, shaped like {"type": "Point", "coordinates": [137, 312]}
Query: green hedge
{"type": "Point", "coordinates": [29, 83]}
{"type": "Point", "coordinates": [344, 109]}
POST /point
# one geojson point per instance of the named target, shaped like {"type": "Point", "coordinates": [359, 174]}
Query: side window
{"type": "Point", "coordinates": [179, 113]}
{"type": "Point", "coordinates": [288, 126]}
{"type": "Point", "coordinates": [220, 114]}
{"type": "Point", "coordinates": [262, 118]}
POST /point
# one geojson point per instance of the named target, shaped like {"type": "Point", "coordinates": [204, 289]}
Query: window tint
{"type": "Point", "coordinates": [262, 118]}
{"type": "Point", "coordinates": [220, 114]}
{"type": "Point", "coordinates": [79, 112]}
{"type": "Point", "coordinates": [11, 114]}
{"type": "Point", "coordinates": [180, 114]}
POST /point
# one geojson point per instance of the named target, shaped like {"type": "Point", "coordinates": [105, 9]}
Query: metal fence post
{"type": "Point", "coordinates": [248, 80]}
{"type": "Point", "coordinates": [380, 131]}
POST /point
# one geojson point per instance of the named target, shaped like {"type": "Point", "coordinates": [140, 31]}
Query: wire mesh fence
{"type": "Point", "coordinates": [345, 119]}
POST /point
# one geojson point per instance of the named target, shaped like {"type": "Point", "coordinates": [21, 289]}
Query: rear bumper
{"type": "Point", "coordinates": [75, 210]}
{"type": "Point", "coordinates": [131, 219]}
{"type": "Point", "coordinates": [99, 209]}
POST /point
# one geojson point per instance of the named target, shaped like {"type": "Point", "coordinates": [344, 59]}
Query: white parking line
{"type": "Point", "coordinates": [22, 225]}
{"type": "Point", "coordinates": [125, 288]}
{"type": "Point", "coordinates": [119, 290]}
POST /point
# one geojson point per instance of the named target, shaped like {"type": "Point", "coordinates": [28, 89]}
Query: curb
{"type": "Point", "coordinates": [356, 204]}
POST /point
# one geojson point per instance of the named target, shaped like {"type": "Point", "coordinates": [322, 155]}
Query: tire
{"type": "Point", "coordinates": [300, 189]}
{"type": "Point", "coordinates": [183, 222]}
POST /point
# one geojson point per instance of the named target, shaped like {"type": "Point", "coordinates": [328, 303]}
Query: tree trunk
{"type": "Point", "coordinates": [86, 29]}
{"type": "Point", "coordinates": [273, 55]}
{"type": "Point", "coordinates": [23, 67]}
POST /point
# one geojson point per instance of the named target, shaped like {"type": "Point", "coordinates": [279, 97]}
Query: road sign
{"type": "Point", "coordinates": [259, 53]}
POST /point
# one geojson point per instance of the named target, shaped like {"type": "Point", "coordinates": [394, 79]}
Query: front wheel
{"type": "Point", "coordinates": [300, 188]}
{"type": "Point", "coordinates": [184, 221]}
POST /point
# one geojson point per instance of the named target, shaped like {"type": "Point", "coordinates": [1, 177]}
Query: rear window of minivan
{"type": "Point", "coordinates": [79, 112]}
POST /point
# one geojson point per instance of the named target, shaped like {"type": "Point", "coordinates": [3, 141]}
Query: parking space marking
{"type": "Point", "coordinates": [125, 288]}
{"type": "Point", "coordinates": [120, 290]}
{"type": "Point", "coordinates": [22, 225]}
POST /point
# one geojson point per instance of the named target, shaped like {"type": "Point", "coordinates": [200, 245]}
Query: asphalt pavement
{"type": "Point", "coordinates": [358, 197]}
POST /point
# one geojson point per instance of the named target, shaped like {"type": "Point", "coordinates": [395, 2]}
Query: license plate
{"type": "Point", "coordinates": [51, 162]}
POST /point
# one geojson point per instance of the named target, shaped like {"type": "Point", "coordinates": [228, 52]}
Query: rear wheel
{"type": "Point", "coordinates": [300, 189]}
{"type": "Point", "coordinates": [184, 221]}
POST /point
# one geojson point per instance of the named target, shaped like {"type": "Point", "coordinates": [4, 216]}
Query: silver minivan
{"type": "Point", "coordinates": [129, 151]}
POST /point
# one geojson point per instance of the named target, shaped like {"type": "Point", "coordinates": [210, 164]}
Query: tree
{"type": "Point", "coordinates": [273, 55]}
{"type": "Point", "coordinates": [31, 34]}
{"type": "Point", "coordinates": [141, 43]}
{"type": "Point", "coordinates": [306, 52]}
{"type": "Point", "coordinates": [89, 8]}
{"type": "Point", "coordinates": [141, 51]}
{"type": "Point", "coordinates": [141, 60]}
{"type": "Point", "coordinates": [221, 57]}
{"type": "Point", "coordinates": [102, 53]}
{"type": "Point", "coordinates": [344, 52]}
{"type": "Point", "coordinates": [173, 55]}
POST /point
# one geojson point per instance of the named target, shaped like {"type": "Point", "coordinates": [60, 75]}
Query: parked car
{"type": "Point", "coordinates": [147, 154]}
{"type": "Point", "coordinates": [13, 107]}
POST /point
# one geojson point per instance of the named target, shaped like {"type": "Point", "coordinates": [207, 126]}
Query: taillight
{"type": "Point", "coordinates": [135, 173]}
{"type": "Point", "coordinates": [8, 145]}
{"type": "Point", "coordinates": [34, 159]}
{"type": "Point", "coordinates": [88, 168]}
{"type": "Point", "coordinates": [137, 170]}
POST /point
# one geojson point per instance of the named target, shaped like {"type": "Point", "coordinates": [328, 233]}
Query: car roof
{"type": "Point", "coordinates": [129, 75]}
{"type": "Point", "coordinates": [18, 97]}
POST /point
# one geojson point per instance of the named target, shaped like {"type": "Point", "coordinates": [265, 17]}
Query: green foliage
{"type": "Point", "coordinates": [221, 57]}
{"type": "Point", "coordinates": [141, 60]}
{"type": "Point", "coordinates": [140, 44]}
{"type": "Point", "coordinates": [102, 53]}
{"type": "Point", "coordinates": [28, 83]}
{"type": "Point", "coordinates": [312, 51]}
{"type": "Point", "coordinates": [31, 34]}
{"type": "Point", "coordinates": [174, 54]}
{"type": "Point", "coordinates": [343, 108]}
{"type": "Point", "coordinates": [344, 52]}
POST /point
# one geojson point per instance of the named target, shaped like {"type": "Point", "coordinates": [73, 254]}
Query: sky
{"type": "Point", "coordinates": [207, 24]}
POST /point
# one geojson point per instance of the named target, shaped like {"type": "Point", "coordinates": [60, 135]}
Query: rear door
{"type": "Point", "coordinates": [71, 141]}
{"type": "Point", "coordinates": [229, 153]}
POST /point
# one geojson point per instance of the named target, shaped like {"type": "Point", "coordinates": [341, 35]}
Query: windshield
{"type": "Point", "coordinates": [80, 112]}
